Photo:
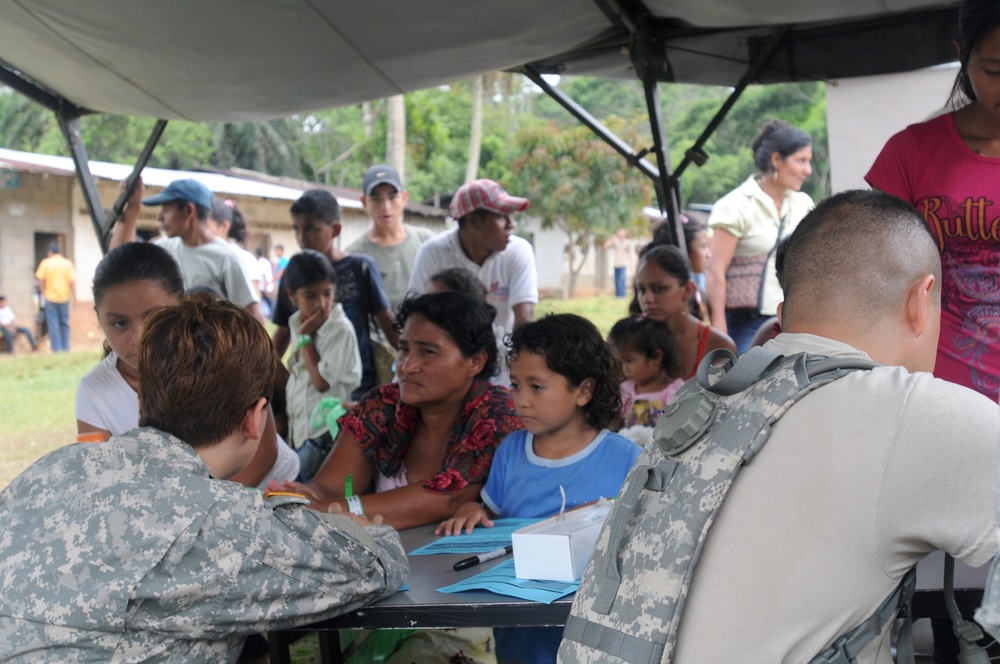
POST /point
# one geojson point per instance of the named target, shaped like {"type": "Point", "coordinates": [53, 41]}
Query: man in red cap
{"type": "Point", "coordinates": [483, 243]}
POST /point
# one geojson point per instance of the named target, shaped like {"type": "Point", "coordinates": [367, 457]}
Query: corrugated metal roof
{"type": "Point", "coordinates": [217, 183]}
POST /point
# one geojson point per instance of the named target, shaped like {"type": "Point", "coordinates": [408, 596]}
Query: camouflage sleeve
{"type": "Point", "coordinates": [251, 567]}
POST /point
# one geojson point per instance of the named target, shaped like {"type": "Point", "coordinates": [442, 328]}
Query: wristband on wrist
{"type": "Point", "coordinates": [354, 505]}
{"type": "Point", "coordinates": [304, 339]}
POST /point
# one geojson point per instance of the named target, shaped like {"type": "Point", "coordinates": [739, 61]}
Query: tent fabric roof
{"type": "Point", "coordinates": [231, 60]}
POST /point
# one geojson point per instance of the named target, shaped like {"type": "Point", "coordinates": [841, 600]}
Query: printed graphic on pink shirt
{"type": "Point", "coordinates": [968, 236]}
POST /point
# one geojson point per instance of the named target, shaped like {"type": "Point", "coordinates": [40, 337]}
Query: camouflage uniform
{"type": "Point", "coordinates": [129, 551]}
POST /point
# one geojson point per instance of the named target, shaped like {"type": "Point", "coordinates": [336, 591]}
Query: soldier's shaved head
{"type": "Point", "coordinates": [854, 258]}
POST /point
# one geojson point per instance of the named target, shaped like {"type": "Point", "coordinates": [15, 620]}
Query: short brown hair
{"type": "Point", "coordinates": [854, 257]}
{"type": "Point", "coordinates": [202, 364]}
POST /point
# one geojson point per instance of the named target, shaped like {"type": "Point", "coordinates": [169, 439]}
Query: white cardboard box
{"type": "Point", "coordinates": [558, 548]}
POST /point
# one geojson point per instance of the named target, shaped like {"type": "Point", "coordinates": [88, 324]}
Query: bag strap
{"type": "Point", "coordinates": [373, 327]}
{"type": "Point", "coordinates": [846, 649]}
{"type": "Point", "coordinates": [773, 252]}
{"type": "Point", "coordinates": [968, 632]}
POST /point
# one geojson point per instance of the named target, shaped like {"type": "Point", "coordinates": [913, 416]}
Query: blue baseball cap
{"type": "Point", "coordinates": [187, 190]}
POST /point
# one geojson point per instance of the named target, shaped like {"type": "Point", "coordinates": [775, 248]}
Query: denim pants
{"type": "Point", "coordinates": [743, 325]}
{"type": "Point", "coordinates": [57, 319]}
{"type": "Point", "coordinates": [619, 282]}
{"type": "Point", "coordinates": [9, 336]}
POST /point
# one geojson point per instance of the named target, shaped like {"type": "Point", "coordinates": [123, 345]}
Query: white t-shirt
{"type": "Point", "coordinates": [266, 273]}
{"type": "Point", "coordinates": [213, 264]}
{"type": "Point", "coordinates": [251, 268]}
{"type": "Point", "coordinates": [510, 275]}
{"type": "Point", "coordinates": [7, 316]}
{"type": "Point", "coordinates": [104, 400]}
{"type": "Point", "coordinates": [858, 481]}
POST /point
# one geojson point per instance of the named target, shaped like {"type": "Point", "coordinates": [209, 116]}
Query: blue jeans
{"type": "Point", "coordinates": [619, 282]}
{"type": "Point", "coordinates": [57, 319]}
{"type": "Point", "coordinates": [743, 324]}
{"type": "Point", "coordinates": [9, 336]}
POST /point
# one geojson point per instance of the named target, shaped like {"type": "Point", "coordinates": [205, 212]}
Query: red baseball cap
{"type": "Point", "coordinates": [485, 195]}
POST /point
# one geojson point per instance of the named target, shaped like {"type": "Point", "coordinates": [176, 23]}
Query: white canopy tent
{"type": "Point", "coordinates": [231, 60]}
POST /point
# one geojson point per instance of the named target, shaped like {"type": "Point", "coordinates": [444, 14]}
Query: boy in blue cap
{"type": "Point", "coordinates": [204, 259]}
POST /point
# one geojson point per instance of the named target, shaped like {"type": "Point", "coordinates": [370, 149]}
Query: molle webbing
{"type": "Point", "coordinates": [632, 596]}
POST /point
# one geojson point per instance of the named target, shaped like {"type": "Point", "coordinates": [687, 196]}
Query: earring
{"type": "Point", "coordinates": [774, 176]}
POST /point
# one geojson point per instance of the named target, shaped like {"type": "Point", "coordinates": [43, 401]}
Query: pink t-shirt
{"type": "Point", "coordinates": [644, 409]}
{"type": "Point", "coordinates": [958, 193]}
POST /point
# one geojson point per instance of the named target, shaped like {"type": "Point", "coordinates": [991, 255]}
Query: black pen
{"type": "Point", "coordinates": [483, 557]}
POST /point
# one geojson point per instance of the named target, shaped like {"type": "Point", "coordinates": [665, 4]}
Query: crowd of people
{"type": "Point", "coordinates": [482, 412]}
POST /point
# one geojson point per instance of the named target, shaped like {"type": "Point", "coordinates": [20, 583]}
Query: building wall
{"type": "Point", "coordinates": [38, 203]}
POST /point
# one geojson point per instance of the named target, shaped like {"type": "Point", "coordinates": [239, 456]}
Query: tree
{"type": "Point", "coordinates": [476, 130]}
{"type": "Point", "coordinates": [395, 139]}
{"type": "Point", "coordinates": [578, 184]}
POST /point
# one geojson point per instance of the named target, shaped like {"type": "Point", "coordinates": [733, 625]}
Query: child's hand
{"type": "Point", "coordinates": [313, 323]}
{"type": "Point", "coordinates": [468, 517]}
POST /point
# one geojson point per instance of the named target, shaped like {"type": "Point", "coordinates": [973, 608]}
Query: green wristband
{"type": "Point", "coordinates": [304, 339]}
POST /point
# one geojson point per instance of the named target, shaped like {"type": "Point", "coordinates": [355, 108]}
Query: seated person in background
{"type": "Point", "coordinates": [7, 319]}
{"type": "Point", "coordinates": [130, 282]}
{"type": "Point", "coordinates": [460, 280]}
{"type": "Point", "coordinates": [141, 552]}
{"type": "Point", "coordinates": [325, 360]}
{"type": "Point", "coordinates": [650, 365]}
{"type": "Point", "coordinates": [416, 450]}
{"type": "Point", "coordinates": [566, 404]}
{"type": "Point", "coordinates": [861, 478]}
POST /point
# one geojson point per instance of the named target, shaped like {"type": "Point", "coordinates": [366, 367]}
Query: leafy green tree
{"type": "Point", "coordinates": [578, 184]}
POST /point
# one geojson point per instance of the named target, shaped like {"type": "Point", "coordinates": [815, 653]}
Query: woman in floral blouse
{"type": "Point", "coordinates": [413, 451]}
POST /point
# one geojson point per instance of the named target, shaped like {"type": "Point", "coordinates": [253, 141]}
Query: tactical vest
{"type": "Point", "coordinates": [631, 599]}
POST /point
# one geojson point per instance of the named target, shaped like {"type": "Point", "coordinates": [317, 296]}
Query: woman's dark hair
{"type": "Point", "coordinates": [306, 268]}
{"type": "Point", "coordinates": [646, 336]}
{"type": "Point", "coordinates": [777, 136]}
{"type": "Point", "coordinates": [460, 280]}
{"type": "Point", "coordinates": [462, 317]}
{"type": "Point", "coordinates": [692, 227]}
{"type": "Point", "coordinates": [670, 260]}
{"type": "Point", "coordinates": [137, 261]}
{"type": "Point", "coordinates": [573, 348]}
{"type": "Point", "coordinates": [226, 211]}
{"type": "Point", "coordinates": [976, 18]}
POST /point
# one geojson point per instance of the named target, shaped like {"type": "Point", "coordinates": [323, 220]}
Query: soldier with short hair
{"type": "Point", "coordinates": [138, 549]}
{"type": "Point", "coordinates": [859, 480]}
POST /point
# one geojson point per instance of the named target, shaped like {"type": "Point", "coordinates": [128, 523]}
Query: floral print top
{"type": "Point", "coordinates": [384, 427]}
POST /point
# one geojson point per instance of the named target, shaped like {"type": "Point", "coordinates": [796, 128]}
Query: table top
{"type": "Point", "coordinates": [422, 607]}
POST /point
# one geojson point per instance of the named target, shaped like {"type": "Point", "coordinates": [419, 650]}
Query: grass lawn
{"type": "Point", "coordinates": [37, 396]}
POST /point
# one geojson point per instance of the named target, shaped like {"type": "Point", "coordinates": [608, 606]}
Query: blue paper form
{"type": "Point", "coordinates": [480, 540]}
{"type": "Point", "coordinates": [501, 580]}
